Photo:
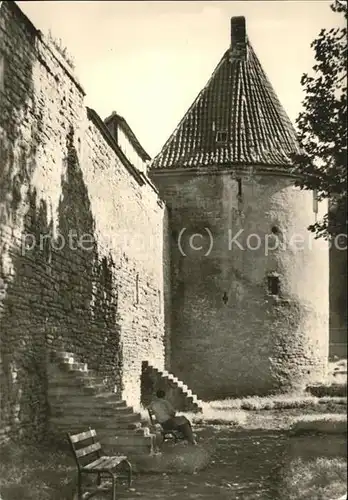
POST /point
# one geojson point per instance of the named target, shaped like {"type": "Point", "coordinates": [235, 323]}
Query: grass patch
{"type": "Point", "coordinates": [247, 412]}
{"type": "Point", "coordinates": [284, 402]}
{"type": "Point", "coordinates": [210, 415]}
{"type": "Point", "coordinates": [319, 479]}
{"type": "Point", "coordinates": [218, 416]}
{"type": "Point", "coordinates": [326, 423]}
{"type": "Point", "coordinates": [31, 473]}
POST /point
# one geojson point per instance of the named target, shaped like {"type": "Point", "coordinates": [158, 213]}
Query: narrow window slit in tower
{"type": "Point", "coordinates": [239, 182]}
{"type": "Point", "coordinates": [221, 137]}
{"type": "Point", "coordinates": [273, 285]}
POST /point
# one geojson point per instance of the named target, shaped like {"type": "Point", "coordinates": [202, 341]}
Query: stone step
{"type": "Point", "coordinates": [81, 375]}
{"type": "Point", "coordinates": [71, 378]}
{"type": "Point", "coordinates": [71, 365]}
{"type": "Point", "coordinates": [110, 424]}
{"type": "Point", "coordinates": [76, 378]}
{"type": "Point", "coordinates": [192, 399]}
{"type": "Point", "coordinates": [192, 402]}
{"type": "Point", "coordinates": [127, 441]}
{"type": "Point", "coordinates": [62, 355]}
{"type": "Point", "coordinates": [122, 413]}
{"type": "Point", "coordinates": [62, 390]}
{"type": "Point", "coordinates": [104, 432]}
{"type": "Point", "coordinates": [109, 396]}
{"type": "Point", "coordinates": [119, 416]}
{"type": "Point", "coordinates": [70, 362]}
{"type": "Point", "coordinates": [65, 359]}
{"type": "Point", "coordinates": [141, 431]}
{"type": "Point", "coordinates": [88, 404]}
{"type": "Point", "coordinates": [170, 377]}
{"type": "Point", "coordinates": [94, 412]}
{"type": "Point", "coordinates": [182, 386]}
{"type": "Point", "coordinates": [74, 367]}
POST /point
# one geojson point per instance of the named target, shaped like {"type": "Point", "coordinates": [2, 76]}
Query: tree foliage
{"type": "Point", "coordinates": [322, 126]}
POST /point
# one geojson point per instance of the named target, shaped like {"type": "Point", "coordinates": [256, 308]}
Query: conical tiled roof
{"type": "Point", "coordinates": [236, 119]}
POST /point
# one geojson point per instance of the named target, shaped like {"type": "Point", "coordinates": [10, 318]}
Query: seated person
{"type": "Point", "coordinates": [165, 415]}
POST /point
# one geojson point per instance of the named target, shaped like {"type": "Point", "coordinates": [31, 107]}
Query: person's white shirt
{"type": "Point", "coordinates": [162, 409]}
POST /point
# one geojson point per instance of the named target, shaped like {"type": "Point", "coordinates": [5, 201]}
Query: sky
{"type": "Point", "coordinates": [148, 60]}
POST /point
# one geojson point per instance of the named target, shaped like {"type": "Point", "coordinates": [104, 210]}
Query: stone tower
{"type": "Point", "coordinates": [249, 285]}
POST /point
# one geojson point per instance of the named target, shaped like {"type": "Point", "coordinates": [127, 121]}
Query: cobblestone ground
{"type": "Point", "coordinates": [244, 466]}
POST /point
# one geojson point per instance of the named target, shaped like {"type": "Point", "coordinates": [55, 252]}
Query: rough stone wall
{"type": "Point", "coordinates": [338, 302]}
{"type": "Point", "coordinates": [338, 290]}
{"type": "Point", "coordinates": [230, 337]}
{"type": "Point", "coordinates": [131, 228]}
{"type": "Point", "coordinates": [167, 299]}
{"type": "Point", "coordinates": [80, 236]}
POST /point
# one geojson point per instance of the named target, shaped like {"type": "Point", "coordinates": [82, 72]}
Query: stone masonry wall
{"type": "Point", "coordinates": [230, 335]}
{"type": "Point", "coordinates": [80, 236]}
{"type": "Point", "coordinates": [338, 291]}
{"type": "Point", "coordinates": [338, 301]}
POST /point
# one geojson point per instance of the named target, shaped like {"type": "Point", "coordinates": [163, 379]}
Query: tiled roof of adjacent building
{"type": "Point", "coordinates": [236, 119]}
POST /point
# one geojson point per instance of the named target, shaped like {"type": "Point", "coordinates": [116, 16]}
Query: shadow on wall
{"type": "Point", "coordinates": [22, 376]}
{"type": "Point", "coordinates": [85, 279]}
{"type": "Point", "coordinates": [148, 385]}
{"type": "Point", "coordinates": [60, 294]}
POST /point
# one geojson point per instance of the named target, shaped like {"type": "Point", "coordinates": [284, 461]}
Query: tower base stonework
{"type": "Point", "coordinates": [231, 333]}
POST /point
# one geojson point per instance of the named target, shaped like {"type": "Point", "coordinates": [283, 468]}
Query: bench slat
{"type": "Point", "coordinates": [105, 463]}
{"type": "Point", "coordinates": [83, 435]}
{"type": "Point", "coordinates": [108, 464]}
{"type": "Point", "coordinates": [88, 450]}
{"type": "Point", "coordinates": [99, 461]}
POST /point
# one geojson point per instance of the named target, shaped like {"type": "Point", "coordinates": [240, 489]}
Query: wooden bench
{"type": "Point", "coordinates": [166, 435]}
{"type": "Point", "coordinates": [89, 460]}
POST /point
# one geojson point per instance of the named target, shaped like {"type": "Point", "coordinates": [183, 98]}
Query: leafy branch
{"type": "Point", "coordinates": [322, 127]}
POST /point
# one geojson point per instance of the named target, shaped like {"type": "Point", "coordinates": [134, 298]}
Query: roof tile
{"type": "Point", "coordinates": [239, 100]}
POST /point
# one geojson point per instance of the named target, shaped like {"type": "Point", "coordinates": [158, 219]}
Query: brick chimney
{"type": "Point", "coordinates": [238, 38]}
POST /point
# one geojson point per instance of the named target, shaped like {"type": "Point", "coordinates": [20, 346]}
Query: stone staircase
{"type": "Point", "coordinates": [79, 399]}
{"type": "Point", "coordinates": [177, 392]}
